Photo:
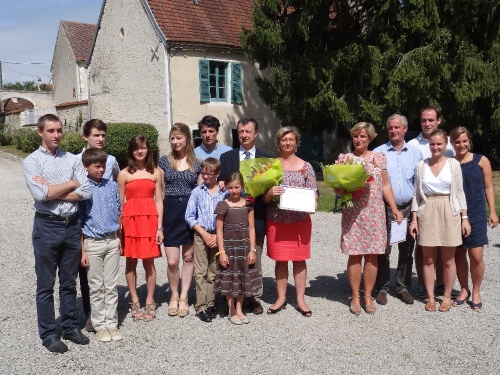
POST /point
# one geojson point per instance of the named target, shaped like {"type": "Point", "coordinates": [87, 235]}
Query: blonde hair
{"type": "Point", "coordinates": [284, 131]}
{"type": "Point", "coordinates": [182, 129]}
{"type": "Point", "coordinates": [370, 129]}
{"type": "Point", "coordinates": [457, 132]}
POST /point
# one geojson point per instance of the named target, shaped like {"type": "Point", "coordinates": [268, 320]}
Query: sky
{"type": "Point", "coordinates": [28, 31]}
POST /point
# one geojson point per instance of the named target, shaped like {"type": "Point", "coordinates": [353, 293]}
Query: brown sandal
{"type": "Point", "coordinates": [136, 311]}
{"type": "Point", "coordinates": [431, 304]}
{"type": "Point", "coordinates": [445, 306]}
{"type": "Point", "coordinates": [183, 312]}
{"type": "Point", "coordinates": [171, 310]}
{"type": "Point", "coordinates": [150, 312]}
{"type": "Point", "coordinates": [355, 309]}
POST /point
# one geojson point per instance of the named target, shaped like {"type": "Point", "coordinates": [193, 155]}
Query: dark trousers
{"type": "Point", "coordinates": [405, 259]}
{"type": "Point", "coordinates": [57, 250]}
{"type": "Point", "coordinates": [84, 289]}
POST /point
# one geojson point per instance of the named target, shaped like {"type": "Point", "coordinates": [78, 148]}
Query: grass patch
{"type": "Point", "coordinates": [326, 197]}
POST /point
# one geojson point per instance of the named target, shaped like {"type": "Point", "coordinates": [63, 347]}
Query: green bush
{"type": "Point", "coordinates": [72, 142]}
{"type": "Point", "coordinates": [26, 140]}
{"type": "Point", "coordinates": [31, 141]}
{"type": "Point", "coordinates": [6, 138]}
{"type": "Point", "coordinates": [119, 134]}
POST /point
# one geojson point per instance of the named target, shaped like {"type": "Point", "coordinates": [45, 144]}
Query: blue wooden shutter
{"type": "Point", "coordinates": [204, 81]}
{"type": "Point", "coordinates": [236, 91]}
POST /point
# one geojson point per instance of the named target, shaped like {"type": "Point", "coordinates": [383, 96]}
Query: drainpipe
{"type": "Point", "coordinates": [88, 94]}
{"type": "Point", "coordinates": [168, 79]}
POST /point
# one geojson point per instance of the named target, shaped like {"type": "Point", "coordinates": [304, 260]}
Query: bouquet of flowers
{"type": "Point", "coordinates": [260, 174]}
{"type": "Point", "coordinates": [346, 175]}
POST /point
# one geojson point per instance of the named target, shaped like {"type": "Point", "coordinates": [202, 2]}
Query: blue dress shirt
{"type": "Point", "coordinates": [401, 169]}
{"type": "Point", "coordinates": [99, 215]}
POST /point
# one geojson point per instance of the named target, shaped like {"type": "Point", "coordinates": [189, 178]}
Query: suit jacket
{"type": "Point", "coordinates": [230, 162]}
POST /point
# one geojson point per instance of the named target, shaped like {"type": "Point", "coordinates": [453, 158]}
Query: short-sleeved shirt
{"type": "Point", "coordinates": [202, 152]}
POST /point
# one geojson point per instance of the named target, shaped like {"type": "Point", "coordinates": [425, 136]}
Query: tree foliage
{"type": "Point", "coordinates": [25, 86]}
{"type": "Point", "coordinates": [332, 61]}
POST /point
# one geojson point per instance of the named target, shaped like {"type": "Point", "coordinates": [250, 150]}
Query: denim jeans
{"type": "Point", "coordinates": [57, 250]}
{"type": "Point", "coordinates": [405, 257]}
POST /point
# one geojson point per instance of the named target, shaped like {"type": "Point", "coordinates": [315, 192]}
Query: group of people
{"type": "Point", "coordinates": [88, 213]}
{"type": "Point", "coordinates": [436, 186]}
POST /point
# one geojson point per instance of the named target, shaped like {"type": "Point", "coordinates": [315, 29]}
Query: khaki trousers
{"type": "Point", "coordinates": [205, 268]}
{"type": "Point", "coordinates": [102, 273]}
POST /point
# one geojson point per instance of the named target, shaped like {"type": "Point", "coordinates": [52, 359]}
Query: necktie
{"type": "Point", "coordinates": [247, 155]}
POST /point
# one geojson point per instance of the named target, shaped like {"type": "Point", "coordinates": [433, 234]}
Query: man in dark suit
{"type": "Point", "coordinates": [248, 129]}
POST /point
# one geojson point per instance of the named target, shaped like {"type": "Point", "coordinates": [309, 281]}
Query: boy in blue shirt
{"type": "Point", "coordinates": [101, 245]}
{"type": "Point", "coordinates": [201, 217]}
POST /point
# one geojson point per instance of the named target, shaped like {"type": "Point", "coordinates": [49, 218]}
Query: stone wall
{"type": "Point", "coordinates": [70, 114]}
{"type": "Point", "coordinates": [127, 81]}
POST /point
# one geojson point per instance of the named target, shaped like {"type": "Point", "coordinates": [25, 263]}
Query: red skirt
{"type": "Point", "coordinates": [289, 241]}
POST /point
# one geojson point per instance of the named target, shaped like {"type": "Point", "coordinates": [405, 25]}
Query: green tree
{"type": "Point", "coordinates": [348, 60]}
{"type": "Point", "coordinates": [25, 86]}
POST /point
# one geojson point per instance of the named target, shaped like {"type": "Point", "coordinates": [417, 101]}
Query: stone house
{"type": "Point", "coordinates": [69, 73]}
{"type": "Point", "coordinates": [164, 61]}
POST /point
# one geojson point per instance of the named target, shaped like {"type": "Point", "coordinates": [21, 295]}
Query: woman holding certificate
{"type": "Point", "coordinates": [289, 232]}
{"type": "Point", "coordinates": [364, 233]}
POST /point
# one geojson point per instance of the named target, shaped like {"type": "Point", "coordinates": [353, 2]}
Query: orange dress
{"type": "Point", "coordinates": [140, 220]}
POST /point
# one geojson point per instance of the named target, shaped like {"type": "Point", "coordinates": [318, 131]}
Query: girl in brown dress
{"type": "Point", "coordinates": [237, 275]}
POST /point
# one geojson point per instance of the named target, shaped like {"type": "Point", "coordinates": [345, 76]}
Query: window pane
{"type": "Point", "coordinates": [222, 81]}
{"type": "Point", "coordinates": [222, 93]}
{"type": "Point", "coordinates": [212, 68]}
{"type": "Point", "coordinates": [213, 80]}
{"type": "Point", "coordinates": [213, 92]}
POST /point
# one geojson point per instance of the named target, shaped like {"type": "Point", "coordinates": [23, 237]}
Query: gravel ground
{"type": "Point", "coordinates": [398, 339]}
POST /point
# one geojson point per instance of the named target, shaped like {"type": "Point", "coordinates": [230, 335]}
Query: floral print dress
{"type": "Point", "coordinates": [363, 226]}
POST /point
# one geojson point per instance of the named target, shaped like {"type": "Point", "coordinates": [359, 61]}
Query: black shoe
{"type": "Point", "coordinates": [277, 310]}
{"type": "Point", "coordinates": [204, 316]}
{"type": "Point", "coordinates": [77, 337]}
{"type": "Point", "coordinates": [212, 312]}
{"type": "Point", "coordinates": [255, 306]}
{"type": "Point", "coordinates": [381, 297]}
{"type": "Point", "coordinates": [55, 345]}
{"type": "Point", "coordinates": [406, 297]}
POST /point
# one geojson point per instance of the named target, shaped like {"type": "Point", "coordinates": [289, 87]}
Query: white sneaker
{"type": "Point", "coordinates": [88, 326]}
{"type": "Point", "coordinates": [103, 335]}
{"type": "Point", "coordinates": [115, 334]}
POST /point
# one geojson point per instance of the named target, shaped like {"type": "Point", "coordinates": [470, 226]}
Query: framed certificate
{"type": "Point", "coordinates": [298, 199]}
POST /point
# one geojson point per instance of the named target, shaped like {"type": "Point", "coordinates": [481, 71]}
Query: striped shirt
{"type": "Point", "coordinates": [201, 206]}
{"type": "Point", "coordinates": [99, 215]}
{"type": "Point", "coordinates": [58, 169]}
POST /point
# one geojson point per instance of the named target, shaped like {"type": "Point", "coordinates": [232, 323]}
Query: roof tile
{"type": "Point", "coordinates": [80, 36]}
{"type": "Point", "coordinates": [217, 22]}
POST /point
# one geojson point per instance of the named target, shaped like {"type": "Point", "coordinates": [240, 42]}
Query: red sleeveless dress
{"type": "Point", "coordinates": [140, 220]}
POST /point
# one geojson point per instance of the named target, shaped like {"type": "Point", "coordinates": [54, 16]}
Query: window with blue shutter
{"type": "Point", "coordinates": [218, 81]}
{"type": "Point", "coordinates": [204, 81]}
{"type": "Point", "coordinates": [214, 81]}
{"type": "Point", "coordinates": [236, 91]}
